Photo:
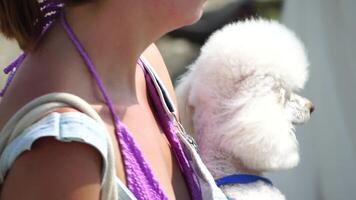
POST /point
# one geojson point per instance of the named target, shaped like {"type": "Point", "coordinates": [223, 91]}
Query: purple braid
{"type": "Point", "coordinates": [49, 12]}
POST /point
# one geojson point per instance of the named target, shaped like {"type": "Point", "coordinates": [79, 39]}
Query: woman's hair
{"type": "Point", "coordinates": [22, 20]}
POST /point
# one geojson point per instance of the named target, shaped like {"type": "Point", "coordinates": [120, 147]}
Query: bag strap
{"type": "Point", "coordinates": [43, 105]}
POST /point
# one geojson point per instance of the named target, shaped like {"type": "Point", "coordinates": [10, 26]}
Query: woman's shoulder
{"type": "Point", "coordinates": [46, 168]}
{"type": "Point", "coordinates": [154, 57]}
{"type": "Point", "coordinates": [65, 138]}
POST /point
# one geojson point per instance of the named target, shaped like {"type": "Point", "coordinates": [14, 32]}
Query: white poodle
{"type": "Point", "coordinates": [238, 100]}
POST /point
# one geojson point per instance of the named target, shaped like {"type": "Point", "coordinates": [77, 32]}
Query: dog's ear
{"type": "Point", "coordinates": [186, 111]}
{"type": "Point", "coordinates": [187, 121]}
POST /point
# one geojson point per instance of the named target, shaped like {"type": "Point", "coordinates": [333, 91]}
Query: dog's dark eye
{"type": "Point", "coordinates": [284, 95]}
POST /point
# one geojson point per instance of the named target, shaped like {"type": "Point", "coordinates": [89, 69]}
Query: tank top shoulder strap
{"type": "Point", "coordinates": [200, 176]}
{"type": "Point", "coordinates": [159, 86]}
{"type": "Point", "coordinates": [166, 115]}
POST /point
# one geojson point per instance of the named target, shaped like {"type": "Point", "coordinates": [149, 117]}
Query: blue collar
{"type": "Point", "coordinates": [241, 179]}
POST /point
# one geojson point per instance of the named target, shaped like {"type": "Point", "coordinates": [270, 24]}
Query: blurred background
{"type": "Point", "coordinates": [328, 28]}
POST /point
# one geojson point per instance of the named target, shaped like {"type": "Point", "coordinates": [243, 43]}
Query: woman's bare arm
{"type": "Point", "coordinates": [54, 170]}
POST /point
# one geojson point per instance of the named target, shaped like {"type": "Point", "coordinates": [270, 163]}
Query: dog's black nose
{"type": "Point", "coordinates": [309, 105]}
{"type": "Point", "coordinates": [311, 109]}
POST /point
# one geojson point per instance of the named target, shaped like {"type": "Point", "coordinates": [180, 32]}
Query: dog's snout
{"type": "Point", "coordinates": [311, 107]}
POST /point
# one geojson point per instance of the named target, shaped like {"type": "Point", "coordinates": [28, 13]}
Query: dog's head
{"type": "Point", "coordinates": [245, 82]}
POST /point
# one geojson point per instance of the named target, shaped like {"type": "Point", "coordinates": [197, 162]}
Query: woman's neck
{"type": "Point", "coordinates": [112, 40]}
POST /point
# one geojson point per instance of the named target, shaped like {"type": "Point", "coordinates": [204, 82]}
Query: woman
{"type": "Point", "coordinates": [114, 34]}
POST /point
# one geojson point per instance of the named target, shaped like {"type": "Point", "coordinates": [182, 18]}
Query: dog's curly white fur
{"type": "Point", "coordinates": [238, 100]}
